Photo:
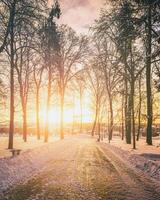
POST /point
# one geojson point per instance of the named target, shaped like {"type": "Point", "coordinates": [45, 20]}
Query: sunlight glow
{"type": "Point", "coordinates": [70, 115]}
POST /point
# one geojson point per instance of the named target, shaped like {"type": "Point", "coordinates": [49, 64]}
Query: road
{"type": "Point", "coordinates": [82, 169]}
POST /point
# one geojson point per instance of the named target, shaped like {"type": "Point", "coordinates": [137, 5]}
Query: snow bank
{"type": "Point", "coordinates": [20, 168]}
{"type": "Point", "coordinates": [147, 165]}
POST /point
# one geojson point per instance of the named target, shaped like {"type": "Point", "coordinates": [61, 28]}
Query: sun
{"type": "Point", "coordinates": [54, 116]}
{"type": "Point", "coordinates": [70, 114]}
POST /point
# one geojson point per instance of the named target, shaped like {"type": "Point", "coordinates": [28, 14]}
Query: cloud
{"type": "Point", "coordinates": [80, 14]}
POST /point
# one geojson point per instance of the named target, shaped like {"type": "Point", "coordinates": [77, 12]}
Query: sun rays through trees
{"type": "Point", "coordinates": [56, 81]}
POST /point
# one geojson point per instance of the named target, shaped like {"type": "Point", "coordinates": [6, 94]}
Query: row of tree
{"type": "Point", "coordinates": [117, 64]}
{"type": "Point", "coordinates": [126, 46]}
{"type": "Point", "coordinates": [38, 54]}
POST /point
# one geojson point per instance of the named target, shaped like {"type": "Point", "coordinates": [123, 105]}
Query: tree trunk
{"type": "Point", "coordinates": [81, 109]}
{"type": "Point", "coordinates": [94, 126]}
{"type": "Point", "coordinates": [24, 109]}
{"type": "Point", "coordinates": [133, 119]}
{"type": "Point", "coordinates": [11, 126]}
{"type": "Point", "coordinates": [122, 117]}
{"type": "Point", "coordinates": [62, 113]}
{"type": "Point", "coordinates": [132, 97]}
{"type": "Point", "coordinates": [108, 120]}
{"type": "Point", "coordinates": [148, 77]}
{"type": "Point", "coordinates": [95, 121]}
{"type": "Point", "coordinates": [128, 120]}
{"type": "Point", "coordinates": [99, 128]}
{"type": "Point", "coordinates": [111, 118]}
{"type": "Point", "coordinates": [139, 109]}
{"type": "Point", "coordinates": [46, 134]}
{"type": "Point", "coordinates": [73, 117]}
{"type": "Point", "coordinates": [37, 114]}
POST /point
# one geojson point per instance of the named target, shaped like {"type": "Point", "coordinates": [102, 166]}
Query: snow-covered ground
{"type": "Point", "coordinates": [33, 157]}
{"type": "Point", "coordinates": [77, 167]}
{"type": "Point", "coordinates": [144, 157]}
{"type": "Point", "coordinates": [31, 143]}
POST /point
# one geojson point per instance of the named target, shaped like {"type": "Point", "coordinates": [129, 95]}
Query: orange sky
{"type": "Point", "coordinates": [79, 14]}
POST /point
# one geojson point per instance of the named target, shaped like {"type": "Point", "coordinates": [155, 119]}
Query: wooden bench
{"type": "Point", "coordinates": [15, 152]}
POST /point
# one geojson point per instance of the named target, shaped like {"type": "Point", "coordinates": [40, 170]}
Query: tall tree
{"type": "Point", "coordinates": [80, 80]}
{"type": "Point", "coordinates": [148, 74]}
{"type": "Point", "coordinates": [22, 14]}
{"type": "Point", "coordinates": [37, 77]}
{"type": "Point", "coordinates": [24, 70]}
{"type": "Point", "coordinates": [72, 53]}
{"type": "Point", "coordinates": [106, 56]}
{"type": "Point", "coordinates": [149, 20]}
{"type": "Point", "coordinates": [51, 49]}
{"type": "Point", "coordinates": [97, 87]}
{"type": "Point", "coordinates": [119, 26]}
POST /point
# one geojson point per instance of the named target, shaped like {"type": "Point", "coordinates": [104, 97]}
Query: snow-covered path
{"type": "Point", "coordinates": [82, 169]}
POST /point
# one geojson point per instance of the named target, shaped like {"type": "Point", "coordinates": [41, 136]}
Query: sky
{"type": "Point", "coordinates": [80, 14]}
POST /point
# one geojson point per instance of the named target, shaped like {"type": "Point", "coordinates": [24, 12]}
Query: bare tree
{"type": "Point", "coordinates": [107, 60]}
{"type": "Point", "coordinates": [37, 76]}
{"type": "Point", "coordinates": [96, 85]}
{"type": "Point", "coordinates": [72, 53]}
{"type": "Point", "coordinates": [81, 84]}
{"type": "Point", "coordinates": [22, 14]}
{"type": "Point", "coordinates": [50, 46]}
{"type": "Point", "coordinates": [24, 69]}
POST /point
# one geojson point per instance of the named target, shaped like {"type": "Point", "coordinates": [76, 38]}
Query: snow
{"type": "Point", "coordinates": [20, 168]}
{"type": "Point", "coordinates": [31, 143]}
{"type": "Point", "coordinates": [144, 157]}
{"type": "Point", "coordinates": [35, 155]}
